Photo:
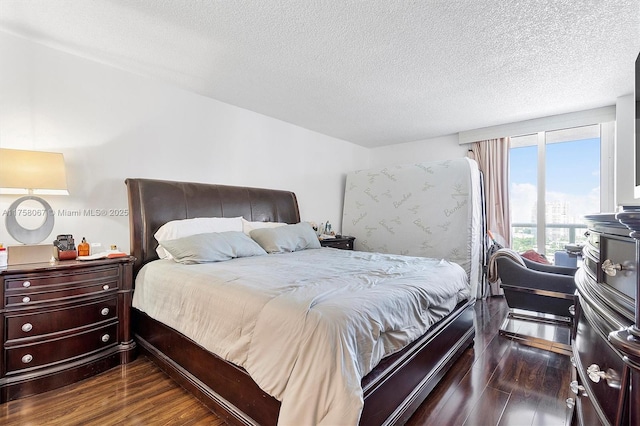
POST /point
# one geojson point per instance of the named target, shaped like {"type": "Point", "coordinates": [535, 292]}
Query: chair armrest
{"type": "Point", "coordinates": [514, 274]}
{"type": "Point", "coordinates": [552, 269]}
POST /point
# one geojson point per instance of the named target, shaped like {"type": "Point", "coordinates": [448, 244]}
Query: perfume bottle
{"type": "Point", "coordinates": [83, 248]}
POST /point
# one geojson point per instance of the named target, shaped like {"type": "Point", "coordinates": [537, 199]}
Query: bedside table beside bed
{"type": "Point", "coordinates": [63, 323]}
{"type": "Point", "coordinates": [343, 242]}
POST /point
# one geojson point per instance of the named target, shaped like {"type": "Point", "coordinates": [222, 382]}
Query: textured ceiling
{"type": "Point", "coordinates": [373, 72]}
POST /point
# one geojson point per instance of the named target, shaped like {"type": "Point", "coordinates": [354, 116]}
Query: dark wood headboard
{"type": "Point", "coordinates": [152, 203]}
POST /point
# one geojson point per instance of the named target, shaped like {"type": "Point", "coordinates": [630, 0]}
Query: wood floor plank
{"type": "Point", "coordinates": [482, 351]}
{"type": "Point", "coordinates": [552, 409]}
{"type": "Point", "coordinates": [441, 394]}
{"type": "Point", "coordinates": [525, 386]}
{"type": "Point", "coordinates": [469, 392]}
{"type": "Point", "coordinates": [489, 408]}
{"type": "Point", "coordinates": [496, 381]}
{"type": "Point", "coordinates": [136, 394]}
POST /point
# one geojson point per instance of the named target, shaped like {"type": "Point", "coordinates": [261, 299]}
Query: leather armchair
{"type": "Point", "coordinates": [537, 287]}
{"type": "Point", "coordinates": [539, 296]}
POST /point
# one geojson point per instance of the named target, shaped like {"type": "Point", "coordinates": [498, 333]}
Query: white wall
{"type": "Point", "coordinates": [450, 146]}
{"type": "Point", "coordinates": [625, 151]}
{"type": "Point", "coordinates": [435, 149]}
{"type": "Point", "coordinates": [111, 125]}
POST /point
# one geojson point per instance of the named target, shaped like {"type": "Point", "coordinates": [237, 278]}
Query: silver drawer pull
{"type": "Point", "coordinates": [26, 284]}
{"type": "Point", "coordinates": [611, 268]}
{"type": "Point", "coordinates": [105, 338]}
{"type": "Point", "coordinates": [105, 311]}
{"type": "Point", "coordinates": [576, 388]}
{"type": "Point", "coordinates": [595, 374]}
{"type": "Point", "coordinates": [27, 359]}
{"type": "Point", "coordinates": [27, 327]}
{"type": "Point", "coordinates": [105, 287]}
{"type": "Point", "coordinates": [572, 310]}
{"type": "Point", "coordinates": [26, 299]}
{"type": "Point", "coordinates": [573, 361]}
{"type": "Point", "coordinates": [570, 403]}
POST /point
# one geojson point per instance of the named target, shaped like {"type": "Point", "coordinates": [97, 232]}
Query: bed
{"type": "Point", "coordinates": [391, 391]}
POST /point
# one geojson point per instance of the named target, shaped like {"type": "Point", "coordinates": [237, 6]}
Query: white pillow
{"type": "Point", "coordinates": [186, 227]}
{"type": "Point", "coordinates": [248, 226]}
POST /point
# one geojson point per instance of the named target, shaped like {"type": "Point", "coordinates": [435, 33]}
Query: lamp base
{"type": "Point", "coordinates": [24, 235]}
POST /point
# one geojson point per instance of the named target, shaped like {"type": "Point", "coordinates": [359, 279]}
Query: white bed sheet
{"type": "Point", "coordinates": [307, 326]}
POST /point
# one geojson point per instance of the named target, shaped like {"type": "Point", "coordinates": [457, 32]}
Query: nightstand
{"type": "Point", "coordinates": [63, 322]}
{"type": "Point", "coordinates": [343, 242]}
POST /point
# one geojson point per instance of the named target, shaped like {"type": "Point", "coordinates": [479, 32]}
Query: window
{"type": "Point", "coordinates": [555, 178]}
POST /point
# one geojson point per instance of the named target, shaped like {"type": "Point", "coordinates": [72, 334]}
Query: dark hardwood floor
{"type": "Point", "coordinates": [496, 382]}
{"type": "Point", "coordinates": [501, 381]}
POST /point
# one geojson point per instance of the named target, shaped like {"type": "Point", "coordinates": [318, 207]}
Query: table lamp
{"type": "Point", "coordinates": [32, 173]}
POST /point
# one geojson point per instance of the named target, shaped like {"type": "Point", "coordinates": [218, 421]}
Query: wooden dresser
{"type": "Point", "coordinates": [63, 322]}
{"type": "Point", "coordinates": [606, 348]}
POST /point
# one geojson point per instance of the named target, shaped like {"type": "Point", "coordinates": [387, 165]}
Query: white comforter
{"type": "Point", "coordinates": [307, 326]}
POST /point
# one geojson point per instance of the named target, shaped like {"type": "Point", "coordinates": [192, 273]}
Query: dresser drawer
{"type": "Point", "coordinates": [32, 288]}
{"type": "Point", "coordinates": [586, 412]}
{"type": "Point", "coordinates": [590, 348]}
{"type": "Point", "coordinates": [593, 239]}
{"type": "Point", "coordinates": [619, 253]}
{"type": "Point", "coordinates": [61, 318]}
{"type": "Point", "coordinates": [590, 264]}
{"type": "Point", "coordinates": [50, 351]}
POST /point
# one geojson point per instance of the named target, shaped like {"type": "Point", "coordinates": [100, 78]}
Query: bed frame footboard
{"type": "Point", "coordinates": [392, 391]}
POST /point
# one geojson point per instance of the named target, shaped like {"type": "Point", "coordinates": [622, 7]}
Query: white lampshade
{"type": "Point", "coordinates": [32, 172]}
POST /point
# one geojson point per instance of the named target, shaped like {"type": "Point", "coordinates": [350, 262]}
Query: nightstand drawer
{"type": "Point", "coordinates": [55, 350]}
{"type": "Point", "coordinates": [52, 280]}
{"type": "Point", "coordinates": [25, 298]}
{"type": "Point", "coordinates": [30, 289]}
{"type": "Point", "coordinates": [60, 319]}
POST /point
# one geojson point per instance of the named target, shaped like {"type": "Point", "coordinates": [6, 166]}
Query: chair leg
{"type": "Point", "coordinates": [543, 331]}
{"type": "Point", "coordinates": [538, 317]}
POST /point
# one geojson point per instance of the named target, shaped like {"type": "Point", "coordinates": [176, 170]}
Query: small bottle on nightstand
{"type": "Point", "coordinates": [83, 248]}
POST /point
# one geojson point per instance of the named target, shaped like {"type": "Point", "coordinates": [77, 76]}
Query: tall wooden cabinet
{"type": "Point", "coordinates": [62, 323]}
{"type": "Point", "coordinates": [606, 348]}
